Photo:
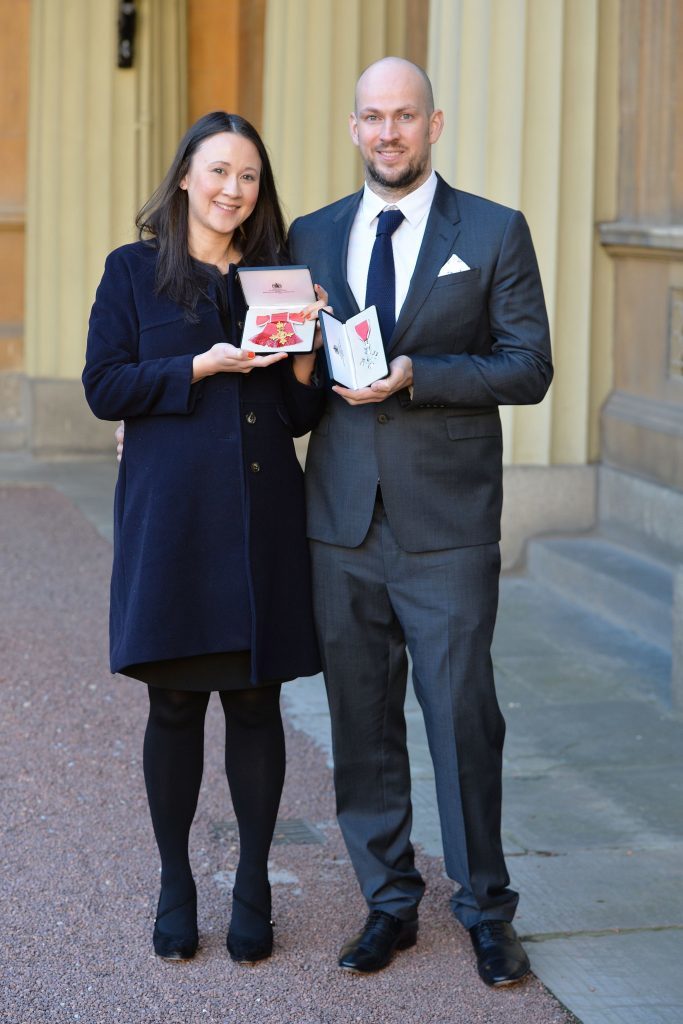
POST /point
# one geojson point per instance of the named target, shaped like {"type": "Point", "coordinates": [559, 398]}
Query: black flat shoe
{"type": "Point", "coordinates": [501, 959]}
{"type": "Point", "coordinates": [175, 932]}
{"type": "Point", "coordinates": [250, 936]}
{"type": "Point", "coordinates": [374, 947]}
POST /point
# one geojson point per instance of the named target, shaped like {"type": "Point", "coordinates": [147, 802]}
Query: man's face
{"type": "Point", "coordinates": [393, 128]}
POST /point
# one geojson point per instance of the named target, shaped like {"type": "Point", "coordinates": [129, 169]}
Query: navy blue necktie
{"type": "Point", "coordinates": [381, 287]}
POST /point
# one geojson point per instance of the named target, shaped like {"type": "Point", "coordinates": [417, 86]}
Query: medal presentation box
{"type": "Point", "coordinates": [275, 297]}
{"type": "Point", "coordinates": [354, 350]}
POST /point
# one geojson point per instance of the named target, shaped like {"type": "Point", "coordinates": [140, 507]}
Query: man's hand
{"type": "Point", "coordinates": [311, 313]}
{"type": "Point", "coordinates": [304, 362]}
{"type": "Point", "coordinates": [118, 437]}
{"type": "Point", "coordinates": [400, 376]}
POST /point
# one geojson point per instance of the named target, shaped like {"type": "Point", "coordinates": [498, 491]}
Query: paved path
{"type": "Point", "coordinates": [592, 825]}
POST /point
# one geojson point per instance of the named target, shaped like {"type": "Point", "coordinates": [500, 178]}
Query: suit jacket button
{"type": "Point", "coordinates": [240, 324]}
{"type": "Point", "coordinates": [255, 467]}
{"type": "Point", "coordinates": [382, 418]}
{"type": "Point", "coordinates": [250, 417]}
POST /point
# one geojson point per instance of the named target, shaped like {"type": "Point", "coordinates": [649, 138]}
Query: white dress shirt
{"type": "Point", "coordinates": [406, 239]}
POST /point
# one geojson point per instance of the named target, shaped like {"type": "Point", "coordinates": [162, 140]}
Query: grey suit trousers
{"type": "Point", "coordinates": [372, 603]}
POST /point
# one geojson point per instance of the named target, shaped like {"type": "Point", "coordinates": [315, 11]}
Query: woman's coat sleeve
{"type": "Point", "coordinates": [116, 384]}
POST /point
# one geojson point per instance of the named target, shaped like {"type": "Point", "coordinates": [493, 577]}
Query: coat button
{"type": "Point", "coordinates": [255, 467]}
{"type": "Point", "coordinates": [382, 418]}
{"type": "Point", "coordinates": [250, 417]}
{"type": "Point", "coordinates": [240, 324]}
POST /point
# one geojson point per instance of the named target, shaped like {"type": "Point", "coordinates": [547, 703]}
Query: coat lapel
{"type": "Point", "coordinates": [441, 232]}
{"type": "Point", "coordinates": [343, 222]}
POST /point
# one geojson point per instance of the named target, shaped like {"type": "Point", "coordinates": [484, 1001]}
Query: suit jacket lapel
{"type": "Point", "coordinates": [442, 230]}
{"type": "Point", "coordinates": [339, 285]}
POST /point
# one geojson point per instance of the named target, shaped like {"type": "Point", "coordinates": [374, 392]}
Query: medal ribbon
{"type": "Point", "coordinates": [363, 330]}
{"type": "Point", "coordinates": [276, 332]}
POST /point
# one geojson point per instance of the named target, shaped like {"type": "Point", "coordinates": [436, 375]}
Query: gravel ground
{"type": "Point", "coordinates": [79, 865]}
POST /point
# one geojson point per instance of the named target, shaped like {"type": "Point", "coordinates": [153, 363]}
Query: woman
{"type": "Point", "coordinates": [210, 582]}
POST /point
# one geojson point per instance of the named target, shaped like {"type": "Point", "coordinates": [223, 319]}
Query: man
{"type": "Point", "coordinates": [404, 498]}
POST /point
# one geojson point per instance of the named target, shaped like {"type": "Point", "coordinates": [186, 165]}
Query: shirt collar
{"type": "Point", "coordinates": [414, 207]}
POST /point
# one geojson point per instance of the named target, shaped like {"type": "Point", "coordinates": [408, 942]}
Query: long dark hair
{"type": "Point", "coordinates": [163, 218]}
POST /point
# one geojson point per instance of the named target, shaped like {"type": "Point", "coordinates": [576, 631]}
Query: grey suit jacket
{"type": "Point", "coordinates": [478, 339]}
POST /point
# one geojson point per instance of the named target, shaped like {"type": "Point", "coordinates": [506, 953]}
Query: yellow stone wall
{"type": "Point", "coordinates": [100, 138]}
{"type": "Point", "coordinates": [14, 35]}
{"type": "Point", "coordinates": [324, 45]}
{"type": "Point", "coordinates": [530, 93]}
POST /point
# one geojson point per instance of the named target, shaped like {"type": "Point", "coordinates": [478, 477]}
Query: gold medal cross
{"type": "Point", "coordinates": [281, 333]}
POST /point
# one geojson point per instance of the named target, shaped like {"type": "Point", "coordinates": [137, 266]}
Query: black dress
{"type": "Point", "coordinates": [227, 670]}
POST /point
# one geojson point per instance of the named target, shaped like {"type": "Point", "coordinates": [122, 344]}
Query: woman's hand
{"type": "Point", "coordinates": [118, 437]}
{"type": "Point", "coordinates": [225, 358]}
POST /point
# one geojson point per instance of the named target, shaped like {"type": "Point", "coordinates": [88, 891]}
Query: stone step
{"type": "Point", "coordinates": [625, 580]}
{"type": "Point", "coordinates": [648, 509]}
{"type": "Point", "coordinates": [13, 436]}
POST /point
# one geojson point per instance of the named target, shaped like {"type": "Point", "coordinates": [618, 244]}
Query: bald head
{"type": "Point", "coordinates": [394, 125]}
{"type": "Point", "coordinates": [394, 74]}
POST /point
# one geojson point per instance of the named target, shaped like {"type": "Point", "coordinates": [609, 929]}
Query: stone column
{"type": "Point", "coordinates": [529, 91]}
{"type": "Point", "coordinates": [643, 419]}
{"type": "Point", "coordinates": [99, 140]}
{"type": "Point", "coordinates": [518, 83]}
{"type": "Point", "coordinates": [314, 52]}
{"type": "Point", "coordinates": [14, 45]}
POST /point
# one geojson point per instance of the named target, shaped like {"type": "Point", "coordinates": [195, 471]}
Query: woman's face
{"type": "Point", "coordinates": [222, 184]}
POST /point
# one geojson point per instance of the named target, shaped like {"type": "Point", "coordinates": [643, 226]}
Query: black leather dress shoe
{"type": "Point", "coordinates": [372, 948]}
{"type": "Point", "coordinates": [501, 959]}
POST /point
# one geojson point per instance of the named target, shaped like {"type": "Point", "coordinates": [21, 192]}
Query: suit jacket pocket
{"type": "Point", "coordinates": [461, 428]}
{"type": "Point", "coordinates": [455, 301]}
{"type": "Point", "coordinates": [463, 278]}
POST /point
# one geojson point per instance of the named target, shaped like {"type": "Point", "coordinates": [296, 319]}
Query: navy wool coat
{"type": "Point", "coordinates": [210, 551]}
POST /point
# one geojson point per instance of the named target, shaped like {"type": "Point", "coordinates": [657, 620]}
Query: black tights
{"type": "Point", "coordinates": [173, 759]}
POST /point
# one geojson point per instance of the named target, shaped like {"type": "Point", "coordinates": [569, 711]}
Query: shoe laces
{"type": "Point", "coordinates": [380, 921]}
{"type": "Point", "coordinates": [492, 931]}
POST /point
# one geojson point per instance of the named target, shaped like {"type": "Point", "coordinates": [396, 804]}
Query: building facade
{"type": "Point", "coordinates": [571, 110]}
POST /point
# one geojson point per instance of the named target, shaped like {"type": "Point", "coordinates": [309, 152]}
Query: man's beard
{"type": "Point", "coordinates": [411, 174]}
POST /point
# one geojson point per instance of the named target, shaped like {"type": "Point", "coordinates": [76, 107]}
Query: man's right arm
{"type": "Point", "coordinates": [518, 369]}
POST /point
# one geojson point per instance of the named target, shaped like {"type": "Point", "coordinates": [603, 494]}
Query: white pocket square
{"type": "Point", "coordinates": [454, 265]}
